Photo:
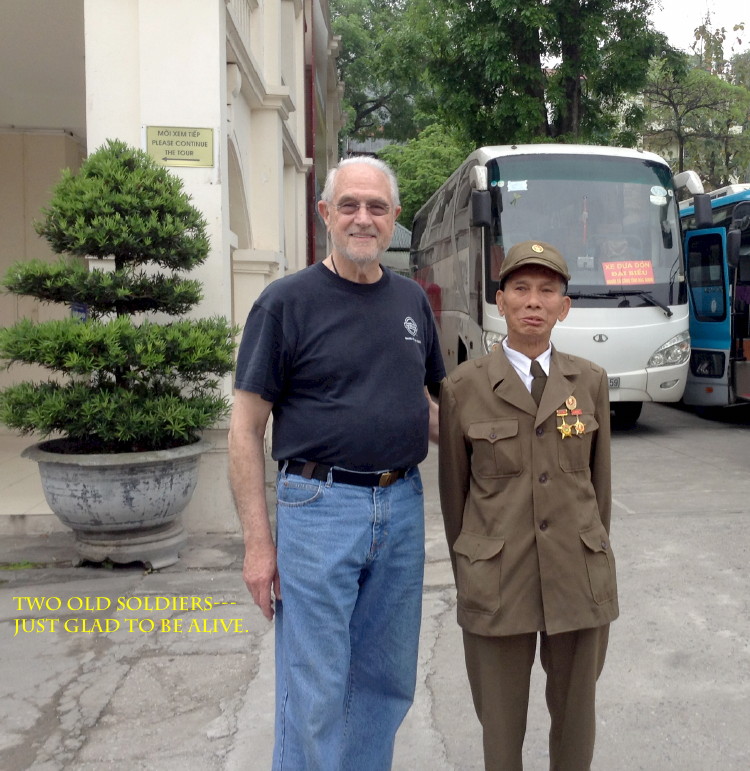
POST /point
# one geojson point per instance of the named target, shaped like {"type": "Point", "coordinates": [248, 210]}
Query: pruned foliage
{"type": "Point", "coordinates": [123, 382]}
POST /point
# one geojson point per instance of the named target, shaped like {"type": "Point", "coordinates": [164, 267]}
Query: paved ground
{"type": "Point", "coordinates": [675, 693]}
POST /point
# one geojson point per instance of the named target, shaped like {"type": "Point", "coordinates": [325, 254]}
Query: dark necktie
{"type": "Point", "coordinates": [539, 381]}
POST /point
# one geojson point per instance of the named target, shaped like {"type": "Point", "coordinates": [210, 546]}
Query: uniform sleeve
{"type": "Point", "coordinates": [601, 462]}
{"type": "Point", "coordinates": [454, 467]}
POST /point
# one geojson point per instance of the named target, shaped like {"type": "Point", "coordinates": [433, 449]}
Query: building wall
{"type": "Point", "coordinates": [30, 164]}
{"type": "Point", "coordinates": [246, 69]}
{"type": "Point", "coordinates": [140, 81]}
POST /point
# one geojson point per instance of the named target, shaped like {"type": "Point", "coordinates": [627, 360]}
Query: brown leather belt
{"type": "Point", "coordinates": [320, 471]}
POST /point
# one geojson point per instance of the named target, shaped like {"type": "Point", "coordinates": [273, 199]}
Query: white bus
{"type": "Point", "coordinates": [613, 214]}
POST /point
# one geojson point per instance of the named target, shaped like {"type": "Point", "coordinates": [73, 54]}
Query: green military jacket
{"type": "Point", "coordinates": [526, 496]}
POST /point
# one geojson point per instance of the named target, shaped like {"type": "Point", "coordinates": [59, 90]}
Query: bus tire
{"type": "Point", "coordinates": [625, 414]}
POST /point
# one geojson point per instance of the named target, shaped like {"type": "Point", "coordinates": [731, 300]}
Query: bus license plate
{"type": "Point", "coordinates": [614, 382]}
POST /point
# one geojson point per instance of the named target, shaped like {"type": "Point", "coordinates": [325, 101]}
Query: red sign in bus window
{"type": "Point", "coordinates": [628, 272]}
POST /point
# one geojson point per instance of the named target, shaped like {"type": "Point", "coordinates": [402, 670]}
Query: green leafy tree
{"type": "Point", "coordinates": [536, 71]}
{"type": "Point", "coordinates": [380, 67]}
{"type": "Point", "coordinates": [723, 157]}
{"type": "Point", "coordinates": [740, 76]}
{"type": "Point", "coordinates": [740, 69]}
{"type": "Point", "coordinates": [423, 164]}
{"type": "Point", "coordinates": [709, 46]}
{"type": "Point", "coordinates": [122, 385]}
{"type": "Point", "coordinates": [702, 116]}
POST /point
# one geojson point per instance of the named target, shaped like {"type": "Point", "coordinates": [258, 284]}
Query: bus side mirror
{"type": "Point", "coordinates": [690, 181]}
{"type": "Point", "coordinates": [703, 216]}
{"type": "Point", "coordinates": [478, 178]}
{"type": "Point", "coordinates": [741, 215]}
{"type": "Point", "coordinates": [734, 237]}
{"type": "Point", "coordinates": [743, 269]}
{"type": "Point", "coordinates": [497, 199]}
{"type": "Point", "coordinates": [481, 208]}
{"type": "Point", "coordinates": [740, 222]}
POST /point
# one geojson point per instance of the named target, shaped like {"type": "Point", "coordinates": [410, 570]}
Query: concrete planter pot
{"type": "Point", "coordinates": [123, 507]}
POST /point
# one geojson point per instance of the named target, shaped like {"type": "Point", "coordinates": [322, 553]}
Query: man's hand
{"type": "Point", "coordinates": [247, 476]}
{"type": "Point", "coordinates": [260, 574]}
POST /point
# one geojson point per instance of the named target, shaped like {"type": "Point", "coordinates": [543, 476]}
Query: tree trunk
{"type": "Point", "coordinates": [527, 49]}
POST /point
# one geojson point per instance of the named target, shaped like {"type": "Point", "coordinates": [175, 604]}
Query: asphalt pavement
{"type": "Point", "coordinates": [124, 669]}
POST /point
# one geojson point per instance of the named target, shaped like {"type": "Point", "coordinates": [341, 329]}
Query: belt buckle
{"type": "Point", "coordinates": [387, 479]}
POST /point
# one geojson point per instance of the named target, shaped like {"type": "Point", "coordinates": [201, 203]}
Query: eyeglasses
{"type": "Point", "coordinates": [374, 208]}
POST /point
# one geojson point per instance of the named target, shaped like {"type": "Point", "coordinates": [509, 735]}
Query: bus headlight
{"type": "Point", "coordinates": [490, 340]}
{"type": "Point", "coordinates": [675, 351]}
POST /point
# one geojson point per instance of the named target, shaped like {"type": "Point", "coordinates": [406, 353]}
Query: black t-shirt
{"type": "Point", "coordinates": [345, 365]}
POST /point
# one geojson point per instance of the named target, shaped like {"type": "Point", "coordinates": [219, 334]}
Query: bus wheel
{"type": "Point", "coordinates": [625, 414]}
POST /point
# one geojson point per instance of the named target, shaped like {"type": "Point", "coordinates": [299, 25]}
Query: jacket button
{"type": "Point", "coordinates": [543, 525]}
{"type": "Point", "coordinates": [493, 436]}
{"type": "Point", "coordinates": [543, 478]}
{"type": "Point", "coordinates": [539, 431]}
{"type": "Point", "coordinates": [604, 545]}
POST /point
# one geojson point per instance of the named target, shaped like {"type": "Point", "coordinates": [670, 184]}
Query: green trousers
{"type": "Point", "coordinates": [499, 670]}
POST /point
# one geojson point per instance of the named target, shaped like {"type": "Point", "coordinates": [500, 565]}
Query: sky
{"type": "Point", "coordinates": [678, 19]}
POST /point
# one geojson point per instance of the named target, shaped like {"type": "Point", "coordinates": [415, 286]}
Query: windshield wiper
{"type": "Point", "coordinates": [647, 296]}
{"type": "Point", "coordinates": [590, 295]}
{"type": "Point", "coordinates": [643, 294]}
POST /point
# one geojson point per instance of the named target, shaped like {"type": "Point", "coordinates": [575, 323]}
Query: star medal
{"type": "Point", "coordinates": [579, 427]}
{"type": "Point", "coordinates": [565, 429]}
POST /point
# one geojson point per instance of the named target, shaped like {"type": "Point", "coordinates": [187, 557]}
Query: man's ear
{"type": "Point", "coordinates": [323, 211]}
{"type": "Point", "coordinates": [565, 308]}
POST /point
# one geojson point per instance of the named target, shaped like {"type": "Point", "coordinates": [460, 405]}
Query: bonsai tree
{"type": "Point", "coordinates": [127, 381]}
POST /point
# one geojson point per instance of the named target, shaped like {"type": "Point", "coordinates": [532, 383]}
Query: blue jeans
{"type": "Point", "coordinates": [351, 565]}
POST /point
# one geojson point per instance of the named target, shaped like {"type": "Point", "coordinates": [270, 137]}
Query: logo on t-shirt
{"type": "Point", "coordinates": [411, 327]}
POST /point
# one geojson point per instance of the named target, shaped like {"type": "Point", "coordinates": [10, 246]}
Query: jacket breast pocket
{"type": "Point", "coordinates": [574, 446]}
{"type": "Point", "coordinates": [478, 564]}
{"type": "Point", "coordinates": [495, 448]}
{"type": "Point", "coordinates": [600, 564]}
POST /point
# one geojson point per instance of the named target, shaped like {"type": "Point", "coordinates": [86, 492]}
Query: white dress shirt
{"type": "Point", "coordinates": [522, 363]}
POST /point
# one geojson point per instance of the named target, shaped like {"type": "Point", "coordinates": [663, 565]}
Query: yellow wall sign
{"type": "Point", "coordinates": [177, 146]}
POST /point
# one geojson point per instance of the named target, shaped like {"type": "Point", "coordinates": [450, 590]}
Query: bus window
{"type": "Point", "coordinates": [615, 221]}
{"type": "Point", "coordinates": [706, 277]}
{"type": "Point", "coordinates": [461, 217]}
{"type": "Point", "coordinates": [446, 214]}
{"type": "Point", "coordinates": [469, 239]}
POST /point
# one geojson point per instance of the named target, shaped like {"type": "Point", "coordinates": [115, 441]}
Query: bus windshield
{"type": "Point", "coordinates": [615, 220]}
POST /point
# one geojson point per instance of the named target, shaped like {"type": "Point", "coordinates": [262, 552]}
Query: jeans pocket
{"type": "Point", "coordinates": [297, 491]}
{"type": "Point", "coordinates": [415, 480]}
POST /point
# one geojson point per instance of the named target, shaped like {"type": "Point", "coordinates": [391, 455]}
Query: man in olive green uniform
{"type": "Point", "coordinates": [526, 497]}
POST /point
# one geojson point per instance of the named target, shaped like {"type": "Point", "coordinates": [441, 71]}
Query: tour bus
{"type": "Point", "coordinates": [717, 255]}
{"type": "Point", "coordinates": [613, 214]}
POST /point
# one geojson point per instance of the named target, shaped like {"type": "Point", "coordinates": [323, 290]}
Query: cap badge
{"type": "Point", "coordinates": [536, 248]}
